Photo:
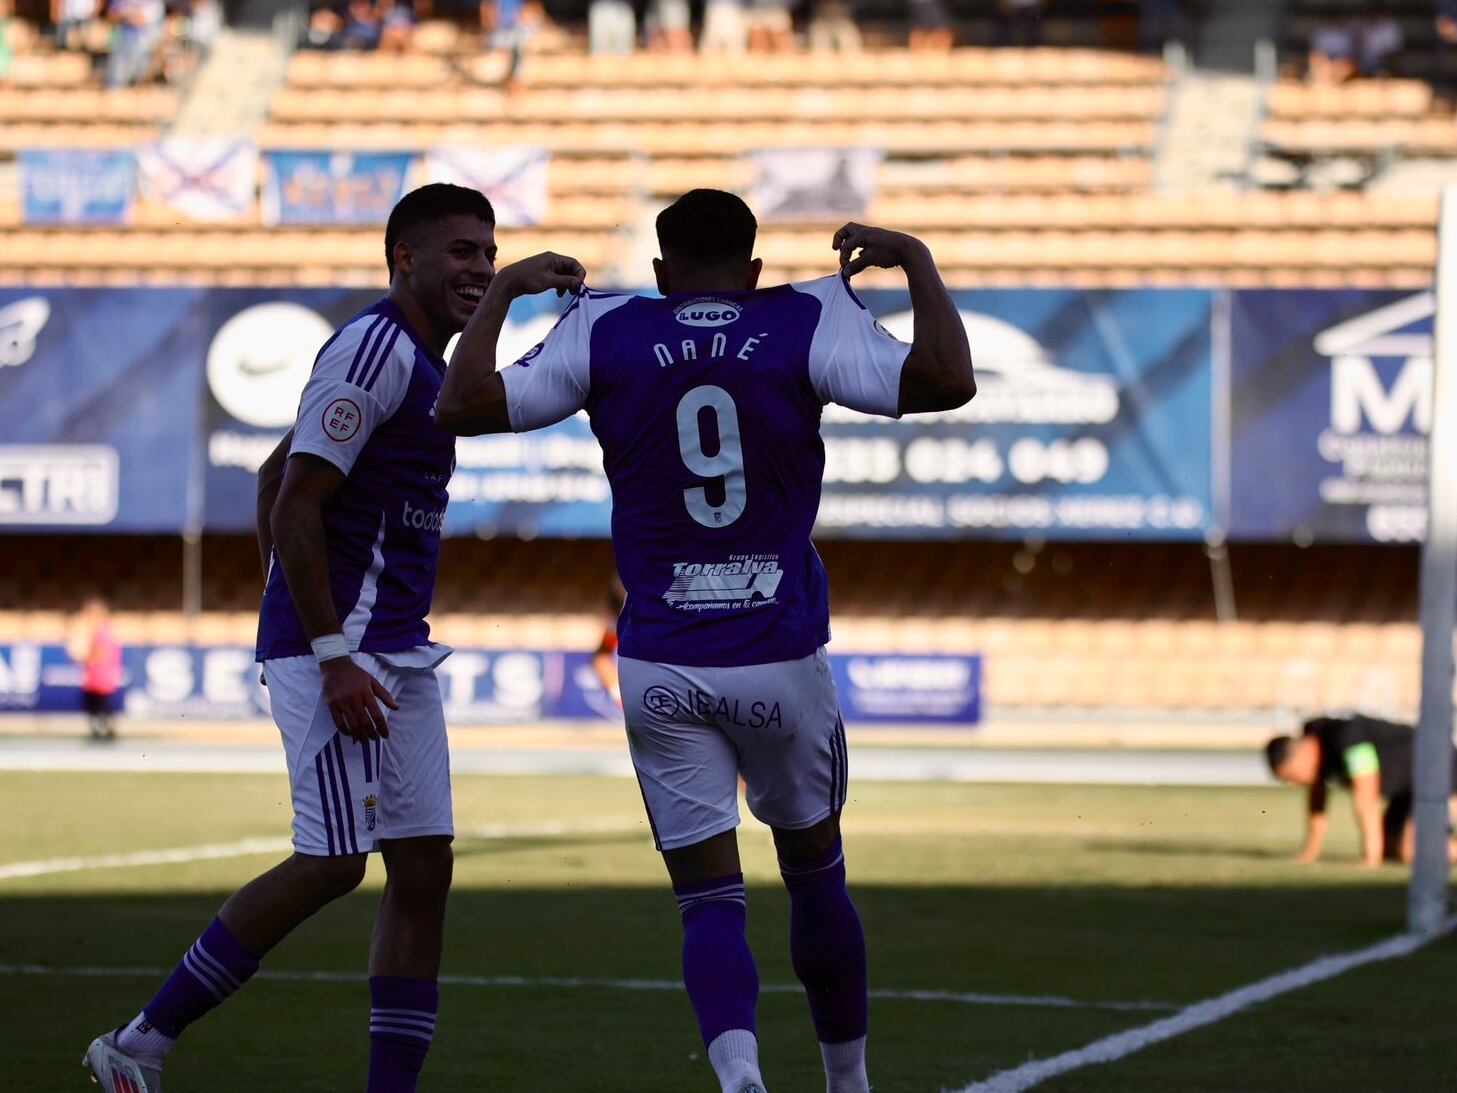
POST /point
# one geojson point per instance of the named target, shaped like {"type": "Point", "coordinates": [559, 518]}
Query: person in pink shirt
{"type": "Point", "coordinates": [99, 655]}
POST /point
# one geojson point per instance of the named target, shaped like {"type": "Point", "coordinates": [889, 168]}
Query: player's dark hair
{"type": "Point", "coordinates": [707, 228]}
{"type": "Point", "coordinates": [1277, 751]}
{"type": "Point", "coordinates": [437, 201]}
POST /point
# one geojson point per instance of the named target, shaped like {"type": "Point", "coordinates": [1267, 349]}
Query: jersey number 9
{"type": "Point", "coordinates": [727, 464]}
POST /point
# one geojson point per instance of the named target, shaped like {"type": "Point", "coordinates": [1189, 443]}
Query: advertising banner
{"type": "Point", "coordinates": [259, 349]}
{"type": "Point", "coordinates": [895, 687]}
{"type": "Point", "coordinates": [98, 408]}
{"type": "Point", "coordinates": [333, 187]}
{"type": "Point", "coordinates": [478, 686]}
{"type": "Point", "coordinates": [75, 186]}
{"type": "Point", "coordinates": [1091, 421]}
{"type": "Point", "coordinates": [1331, 405]}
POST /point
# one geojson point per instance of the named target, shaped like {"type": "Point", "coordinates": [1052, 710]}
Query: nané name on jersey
{"type": "Point", "coordinates": [708, 412]}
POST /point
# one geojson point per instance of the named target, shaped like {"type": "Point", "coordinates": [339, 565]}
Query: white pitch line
{"type": "Point", "coordinates": [577, 983]}
{"type": "Point", "coordinates": [178, 856]}
{"type": "Point", "coordinates": [1208, 1012]}
{"type": "Point", "coordinates": [241, 848]}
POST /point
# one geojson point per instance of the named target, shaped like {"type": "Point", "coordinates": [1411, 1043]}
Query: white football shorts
{"type": "Point", "coordinates": [350, 794]}
{"type": "Point", "coordinates": [693, 732]}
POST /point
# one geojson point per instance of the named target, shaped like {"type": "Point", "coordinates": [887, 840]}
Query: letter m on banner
{"type": "Point", "coordinates": [1359, 393]}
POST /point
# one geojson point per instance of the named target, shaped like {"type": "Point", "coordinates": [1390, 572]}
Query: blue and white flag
{"type": "Point", "coordinates": [74, 186]}
{"type": "Point", "coordinates": [514, 177]}
{"type": "Point", "coordinates": [210, 180]}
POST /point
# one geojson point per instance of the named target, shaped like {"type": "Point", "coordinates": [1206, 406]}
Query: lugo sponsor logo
{"type": "Point", "coordinates": [58, 484]}
{"type": "Point", "coordinates": [423, 519]}
{"type": "Point", "coordinates": [739, 582]}
{"type": "Point", "coordinates": [707, 312]}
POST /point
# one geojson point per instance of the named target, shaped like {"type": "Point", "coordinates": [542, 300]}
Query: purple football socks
{"type": "Point", "coordinates": [827, 945]}
{"type": "Point", "coordinates": [401, 1026]}
{"type": "Point", "coordinates": [210, 971]}
{"type": "Point", "coordinates": [718, 968]}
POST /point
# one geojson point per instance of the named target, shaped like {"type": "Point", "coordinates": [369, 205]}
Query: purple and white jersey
{"type": "Point", "coordinates": [708, 412]}
{"type": "Point", "coordinates": [368, 410]}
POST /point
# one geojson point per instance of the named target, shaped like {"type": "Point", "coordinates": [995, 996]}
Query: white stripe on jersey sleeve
{"type": "Point", "coordinates": [550, 383]}
{"type": "Point", "coordinates": [853, 360]}
{"type": "Point", "coordinates": [358, 382]}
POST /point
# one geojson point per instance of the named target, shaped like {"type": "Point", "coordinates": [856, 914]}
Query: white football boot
{"type": "Point", "coordinates": [117, 1072]}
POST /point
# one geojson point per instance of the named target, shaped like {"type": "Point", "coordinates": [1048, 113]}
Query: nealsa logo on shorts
{"type": "Point", "coordinates": [743, 581]}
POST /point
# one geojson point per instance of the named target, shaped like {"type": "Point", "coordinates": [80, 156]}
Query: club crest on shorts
{"type": "Point", "coordinates": [371, 811]}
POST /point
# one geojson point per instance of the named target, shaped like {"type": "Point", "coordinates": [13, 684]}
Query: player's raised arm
{"type": "Point", "coordinates": [473, 397]}
{"type": "Point", "coordinates": [937, 375]}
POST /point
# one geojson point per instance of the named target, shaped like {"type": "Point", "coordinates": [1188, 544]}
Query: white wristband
{"type": "Point", "coordinates": [330, 647]}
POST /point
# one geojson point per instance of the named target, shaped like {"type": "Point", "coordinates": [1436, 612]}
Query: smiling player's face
{"type": "Point", "coordinates": [446, 269]}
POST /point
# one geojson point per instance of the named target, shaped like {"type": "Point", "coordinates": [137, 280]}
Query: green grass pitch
{"type": "Point", "coordinates": [1101, 894]}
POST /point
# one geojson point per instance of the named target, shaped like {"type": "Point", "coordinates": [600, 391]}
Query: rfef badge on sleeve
{"type": "Point", "coordinates": [342, 419]}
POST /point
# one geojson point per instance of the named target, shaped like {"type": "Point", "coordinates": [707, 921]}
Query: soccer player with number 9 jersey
{"type": "Point", "coordinates": [707, 405]}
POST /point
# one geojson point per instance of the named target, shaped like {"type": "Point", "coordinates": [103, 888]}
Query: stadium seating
{"type": "Point", "coordinates": [1021, 166]}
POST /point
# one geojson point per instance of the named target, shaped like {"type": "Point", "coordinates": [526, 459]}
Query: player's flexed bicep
{"type": "Point", "coordinates": [937, 372]}
{"type": "Point", "coordinates": [358, 382]}
{"type": "Point", "coordinates": [853, 360]}
{"type": "Point", "coordinates": [551, 382]}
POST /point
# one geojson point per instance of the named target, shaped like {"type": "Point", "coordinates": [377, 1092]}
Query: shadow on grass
{"type": "Point", "coordinates": [467, 847]}
{"type": "Point", "coordinates": [1194, 849]}
{"type": "Point", "coordinates": [1164, 944]}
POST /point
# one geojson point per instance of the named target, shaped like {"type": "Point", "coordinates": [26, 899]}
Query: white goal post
{"type": "Point", "coordinates": [1432, 776]}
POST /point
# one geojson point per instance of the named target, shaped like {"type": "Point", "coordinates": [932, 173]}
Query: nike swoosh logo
{"type": "Point", "coordinates": [248, 368]}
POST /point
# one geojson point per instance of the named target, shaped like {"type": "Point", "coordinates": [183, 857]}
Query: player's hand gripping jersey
{"type": "Point", "coordinates": [708, 412]}
{"type": "Point", "coordinates": [367, 410]}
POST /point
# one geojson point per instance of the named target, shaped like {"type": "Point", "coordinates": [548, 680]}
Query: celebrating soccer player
{"type": "Point", "coordinates": [707, 405]}
{"type": "Point", "coordinates": [355, 539]}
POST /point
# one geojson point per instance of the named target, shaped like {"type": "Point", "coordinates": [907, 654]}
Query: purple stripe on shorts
{"type": "Point", "coordinates": [324, 801]}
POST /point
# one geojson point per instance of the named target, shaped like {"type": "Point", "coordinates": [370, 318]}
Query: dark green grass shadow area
{"type": "Point", "coordinates": [1166, 944]}
{"type": "Point", "coordinates": [466, 847]}
{"type": "Point", "coordinates": [1384, 1028]}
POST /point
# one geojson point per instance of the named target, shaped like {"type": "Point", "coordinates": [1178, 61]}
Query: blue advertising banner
{"type": "Point", "coordinates": [74, 186]}
{"type": "Point", "coordinates": [1091, 421]}
{"type": "Point", "coordinates": [98, 397]}
{"type": "Point", "coordinates": [479, 686]}
{"type": "Point", "coordinates": [333, 187]}
{"type": "Point", "coordinates": [895, 687]}
{"type": "Point", "coordinates": [1331, 405]}
{"type": "Point", "coordinates": [260, 346]}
